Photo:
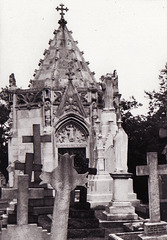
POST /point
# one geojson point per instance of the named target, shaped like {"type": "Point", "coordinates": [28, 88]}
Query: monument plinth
{"type": "Point", "coordinates": [120, 208]}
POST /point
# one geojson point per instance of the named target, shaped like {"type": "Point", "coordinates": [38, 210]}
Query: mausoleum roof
{"type": "Point", "coordinates": [62, 54]}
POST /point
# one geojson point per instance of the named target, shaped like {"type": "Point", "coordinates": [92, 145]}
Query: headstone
{"type": "Point", "coordinates": [23, 230]}
{"type": "Point", "coordinates": [28, 167]}
{"type": "Point", "coordinates": [155, 228]}
{"type": "Point", "coordinates": [26, 232]}
{"type": "Point", "coordinates": [22, 194]}
{"type": "Point", "coordinates": [36, 139]}
{"type": "Point", "coordinates": [63, 179]}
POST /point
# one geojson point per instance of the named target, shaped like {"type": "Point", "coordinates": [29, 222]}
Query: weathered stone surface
{"type": "Point", "coordinates": [153, 170]}
{"type": "Point", "coordinates": [63, 179]}
{"type": "Point", "coordinates": [36, 139]}
{"type": "Point", "coordinates": [154, 197]}
{"type": "Point", "coordinates": [155, 228]}
{"type": "Point", "coordinates": [120, 208]}
{"type": "Point", "coordinates": [22, 194]}
{"type": "Point", "coordinates": [26, 232]}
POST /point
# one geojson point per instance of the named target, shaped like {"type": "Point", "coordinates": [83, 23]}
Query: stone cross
{"type": "Point", "coordinates": [22, 194]}
{"type": "Point", "coordinates": [63, 179]}
{"type": "Point", "coordinates": [153, 170]}
{"type": "Point", "coordinates": [36, 139]}
{"type": "Point", "coordinates": [62, 9]}
{"type": "Point", "coordinates": [28, 166]}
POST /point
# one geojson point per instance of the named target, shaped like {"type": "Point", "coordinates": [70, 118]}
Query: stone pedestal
{"type": "Point", "coordinates": [131, 195]}
{"type": "Point", "coordinates": [154, 231]}
{"type": "Point", "coordinates": [100, 191]}
{"type": "Point", "coordinates": [120, 208]}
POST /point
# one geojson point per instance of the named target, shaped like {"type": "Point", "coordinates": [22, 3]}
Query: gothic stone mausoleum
{"type": "Point", "coordinates": [67, 110]}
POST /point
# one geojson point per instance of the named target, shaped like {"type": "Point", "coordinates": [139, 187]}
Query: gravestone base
{"type": "Point", "coordinates": [120, 211]}
{"type": "Point", "coordinates": [120, 207]}
{"type": "Point", "coordinates": [26, 232]}
{"type": "Point", "coordinates": [100, 191]}
{"type": "Point", "coordinates": [154, 231]}
{"type": "Point", "coordinates": [36, 206]}
{"type": "Point", "coordinates": [132, 197]}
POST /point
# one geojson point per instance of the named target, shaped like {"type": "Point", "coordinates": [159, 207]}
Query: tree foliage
{"type": "Point", "coordinates": [143, 131]}
{"type": "Point", "coordinates": [4, 129]}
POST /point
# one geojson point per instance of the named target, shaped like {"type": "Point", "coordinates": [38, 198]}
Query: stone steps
{"type": "Point", "coordinates": [42, 210]}
{"type": "Point", "coordinates": [77, 228]}
{"type": "Point", "coordinates": [12, 218]}
{"type": "Point", "coordinates": [81, 213]}
{"type": "Point", "coordinates": [4, 204]}
{"type": "Point", "coordinates": [46, 201]}
{"type": "Point", "coordinates": [82, 220]}
{"type": "Point", "coordinates": [81, 223]}
{"type": "Point", "coordinates": [31, 231]}
{"type": "Point", "coordinates": [86, 233]}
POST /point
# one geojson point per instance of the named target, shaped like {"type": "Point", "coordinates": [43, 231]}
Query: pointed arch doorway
{"type": "Point", "coordinates": [80, 160]}
{"type": "Point", "coordinates": [72, 137]}
{"type": "Point", "coordinates": [79, 195]}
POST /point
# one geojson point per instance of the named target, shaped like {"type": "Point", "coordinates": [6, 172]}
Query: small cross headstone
{"type": "Point", "coordinates": [22, 194]}
{"type": "Point", "coordinates": [152, 170]}
{"type": "Point", "coordinates": [63, 179]}
{"type": "Point", "coordinates": [28, 167]}
{"type": "Point", "coordinates": [36, 139]}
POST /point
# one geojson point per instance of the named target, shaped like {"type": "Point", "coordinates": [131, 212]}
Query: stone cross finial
{"type": "Point", "coordinates": [62, 9]}
{"type": "Point", "coordinates": [63, 179]}
{"type": "Point", "coordinates": [62, 21]}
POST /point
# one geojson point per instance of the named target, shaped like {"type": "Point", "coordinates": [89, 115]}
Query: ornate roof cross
{"type": "Point", "coordinates": [62, 9]}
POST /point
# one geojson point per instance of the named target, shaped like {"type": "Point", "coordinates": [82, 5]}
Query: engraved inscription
{"type": "Point", "coordinates": [156, 229]}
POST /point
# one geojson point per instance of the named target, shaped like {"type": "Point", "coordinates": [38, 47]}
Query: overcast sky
{"type": "Point", "coordinates": [127, 35]}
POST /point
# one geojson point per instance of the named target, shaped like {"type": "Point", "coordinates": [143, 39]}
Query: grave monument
{"type": "Point", "coordinates": [65, 110]}
{"type": "Point", "coordinates": [23, 230]}
{"type": "Point", "coordinates": [163, 182]}
{"type": "Point", "coordinates": [154, 229]}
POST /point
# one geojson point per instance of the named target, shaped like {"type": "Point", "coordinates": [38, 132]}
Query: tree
{"type": "Point", "coordinates": [158, 100]}
{"type": "Point", "coordinates": [143, 131]}
{"type": "Point", "coordinates": [4, 130]}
